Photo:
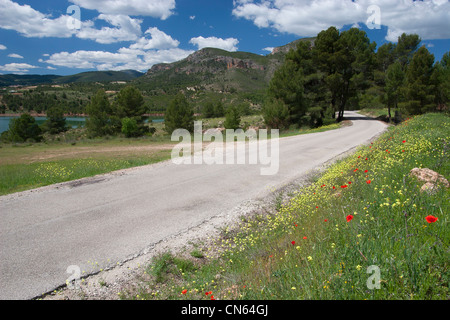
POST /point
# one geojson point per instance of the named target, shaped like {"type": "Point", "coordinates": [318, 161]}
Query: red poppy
{"type": "Point", "coordinates": [212, 297]}
{"type": "Point", "coordinates": [368, 181]}
{"type": "Point", "coordinates": [349, 218]}
{"type": "Point", "coordinates": [334, 187]}
{"type": "Point", "coordinates": [325, 220]}
{"type": "Point", "coordinates": [366, 171]}
{"type": "Point", "coordinates": [304, 238]}
{"type": "Point", "coordinates": [184, 291]}
{"type": "Point", "coordinates": [344, 186]}
{"type": "Point", "coordinates": [293, 242]}
{"type": "Point", "coordinates": [431, 219]}
{"type": "Point", "coordinates": [317, 207]}
{"type": "Point", "coordinates": [404, 141]}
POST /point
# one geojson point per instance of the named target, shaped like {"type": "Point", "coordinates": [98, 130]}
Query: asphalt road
{"type": "Point", "coordinates": [110, 218]}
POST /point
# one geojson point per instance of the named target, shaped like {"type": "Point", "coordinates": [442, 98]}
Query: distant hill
{"type": "Point", "coordinates": [92, 76]}
{"type": "Point", "coordinates": [100, 76]}
{"type": "Point", "coordinates": [26, 80]}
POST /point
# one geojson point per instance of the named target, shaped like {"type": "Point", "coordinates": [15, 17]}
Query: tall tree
{"type": "Point", "coordinates": [130, 104]}
{"type": "Point", "coordinates": [99, 121]}
{"type": "Point", "coordinates": [233, 118]}
{"type": "Point", "coordinates": [419, 88]}
{"type": "Point", "coordinates": [287, 86]}
{"type": "Point", "coordinates": [347, 59]}
{"type": "Point", "coordinates": [56, 122]}
{"type": "Point", "coordinates": [441, 78]}
{"type": "Point", "coordinates": [395, 78]}
{"type": "Point", "coordinates": [179, 115]}
{"type": "Point", "coordinates": [407, 45]}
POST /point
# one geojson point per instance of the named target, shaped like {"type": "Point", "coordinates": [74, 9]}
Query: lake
{"type": "Point", "coordinates": [74, 122]}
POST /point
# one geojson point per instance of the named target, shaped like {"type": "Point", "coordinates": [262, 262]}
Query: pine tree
{"type": "Point", "coordinates": [179, 115]}
{"type": "Point", "coordinates": [99, 112]}
{"type": "Point", "coordinates": [395, 78]}
{"type": "Point", "coordinates": [233, 119]}
{"type": "Point", "coordinates": [419, 88]}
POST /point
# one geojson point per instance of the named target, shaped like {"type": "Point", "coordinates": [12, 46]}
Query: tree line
{"type": "Point", "coordinates": [319, 80]}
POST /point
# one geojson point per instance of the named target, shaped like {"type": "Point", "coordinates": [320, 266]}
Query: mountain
{"type": "Point", "coordinates": [216, 70]}
{"type": "Point", "coordinates": [93, 76]}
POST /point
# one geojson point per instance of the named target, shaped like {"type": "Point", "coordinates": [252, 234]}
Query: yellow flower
{"type": "Point", "coordinates": [358, 267]}
{"type": "Point", "coordinates": [310, 258]}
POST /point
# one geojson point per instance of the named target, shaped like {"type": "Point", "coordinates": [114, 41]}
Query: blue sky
{"type": "Point", "coordinates": [44, 37]}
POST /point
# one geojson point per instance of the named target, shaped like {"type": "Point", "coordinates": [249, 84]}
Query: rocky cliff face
{"type": "Point", "coordinates": [215, 69]}
{"type": "Point", "coordinates": [209, 61]}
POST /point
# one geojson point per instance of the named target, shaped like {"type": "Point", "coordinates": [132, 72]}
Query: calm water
{"type": "Point", "coordinates": [75, 122]}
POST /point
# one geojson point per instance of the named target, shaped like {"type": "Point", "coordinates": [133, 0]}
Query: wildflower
{"type": "Point", "coordinates": [304, 238]}
{"type": "Point", "coordinates": [358, 267]}
{"type": "Point", "coordinates": [325, 220]}
{"type": "Point", "coordinates": [212, 297]}
{"type": "Point", "coordinates": [368, 181]}
{"type": "Point", "coordinates": [184, 291]}
{"type": "Point", "coordinates": [310, 258]}
{"type": "Point", "coordinates": [404, 141]}
{"type": "Point", "coordinates": [349, 218]}
{"type": "Point", "coordinates": [431, 219]}
{"type": "Point", "coordinates": [293, 242]}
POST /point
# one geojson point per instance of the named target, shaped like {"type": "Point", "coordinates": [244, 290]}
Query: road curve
{"type": "Point", "coordinates": [110, 218]}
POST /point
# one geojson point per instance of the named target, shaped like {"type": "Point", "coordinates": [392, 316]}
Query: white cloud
{"type": "Point", "coordinates": [155, 8]}
{"type": "Point", "coordinates": [229, 44]}
{"type": "Point", "coordinates": [192, 17]}
{"type": "Point", "coordinates": [127, 29]}
{"type": "Point", "coordinates": [15, 55]}
{"type": "Point", "coordinates": [32, 23]}
{"type": "Point", "coordinates": [270, 49]}
{"type": "Point", "coordinates": [123, 59]}
{"type": "Point", "coordinates": [159, 40]}
{"type": "Point", "coordinates": [2, 47]}
{"type": "Point", "coordinates": [17, 67]}
{"type": "Point", "coordinates": [430, 19]}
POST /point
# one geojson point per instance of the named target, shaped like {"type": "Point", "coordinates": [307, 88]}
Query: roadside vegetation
{"type": "Point", "coordinates": [365, 214]}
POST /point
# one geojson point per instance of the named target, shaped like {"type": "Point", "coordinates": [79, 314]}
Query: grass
{"type": "Point", "coordinates": [71, 155]}
{"type": "Point", "coordinates": [365, 216]}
